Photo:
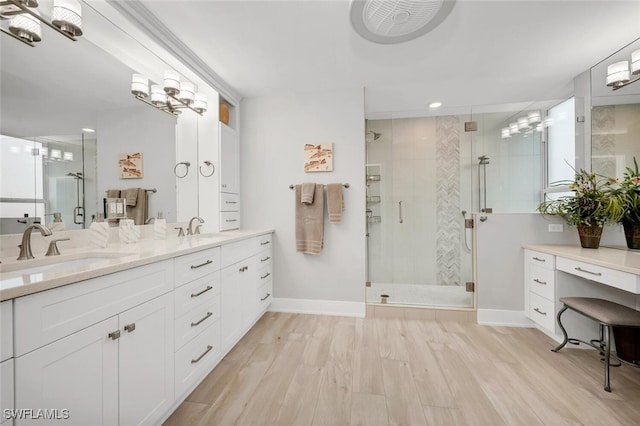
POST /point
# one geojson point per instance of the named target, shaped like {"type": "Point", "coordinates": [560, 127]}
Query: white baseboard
{"type": "Point", "coordinates": [503, 318]}
{"type": "Point", "coordinates": [318, 307]}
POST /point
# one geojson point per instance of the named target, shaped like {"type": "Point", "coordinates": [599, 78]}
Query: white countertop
{"type": "Point", "coordinates": [621, 260]}
{"type": "Point", "coordinates": [114, 258]}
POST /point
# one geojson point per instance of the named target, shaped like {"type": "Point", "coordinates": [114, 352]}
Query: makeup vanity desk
{"type": "Point", "coordinates": [555, 271]}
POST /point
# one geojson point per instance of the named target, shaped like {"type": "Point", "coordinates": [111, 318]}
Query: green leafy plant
{"type": "Point", "coordinates": [629, 191]}
{"type": "Point", "coordinates": [594, 202]}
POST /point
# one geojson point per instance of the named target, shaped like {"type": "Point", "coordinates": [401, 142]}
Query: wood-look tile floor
{"type": "Point", "coordinates": [293, 369]}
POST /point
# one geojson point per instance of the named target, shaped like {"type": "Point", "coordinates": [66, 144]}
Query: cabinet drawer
{"type": "Point", "coordinates": [6, 329]}
{"type": "Point", "coordinates": [264, 259]}
{"type": "Point", "coordinates": [196, 293]}
{"type": "Point", "coordinates": [263, 242]}
{"type": "Point", "coordinates": [611, 277]}
{"type": "Point", "coordinates": [229, 202]}
{"type": "Point", "coordinates": [235, 252]}
{"type": "Point", "coordinates": [542, 281]}
{"type": "Point", "coordinates": [265, 295]}
{"type": "Point", "coordinates": [229, 220]}
{"type": "Point", "coordinates": [197, 358]}
{"type": "Point", "coordinates": [542, 311]}
{"type": "Point", "coordinates": [43, 317]}
{"type": "Point", "coordinates": [196, 321]}
{"type": "Point", "coordinates": [6, 389]}
{"type": "Point", "coordinates": [195, 265]}
{"type": "Point", "coordinates": [543, 260]}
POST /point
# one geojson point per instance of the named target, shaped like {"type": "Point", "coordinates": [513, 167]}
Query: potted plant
{"type": "Point", "coordinates": [630, 194]}
{"type": "Point", "coordinates": [593, 204]}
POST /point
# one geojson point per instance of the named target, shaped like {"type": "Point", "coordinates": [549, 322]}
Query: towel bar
{"type": "Point", "coordinates": [346, 185]}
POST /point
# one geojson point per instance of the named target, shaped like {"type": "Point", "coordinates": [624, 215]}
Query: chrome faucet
{"type": "Point", "coordinates": [25, 247]}
{"type": "Point", "coordinates": [190, 230]}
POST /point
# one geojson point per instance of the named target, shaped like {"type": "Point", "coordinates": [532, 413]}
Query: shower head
{"type": "Point", "coordinates": [483, 159]}
{"type": "Point", "coordinates": [372, 136]}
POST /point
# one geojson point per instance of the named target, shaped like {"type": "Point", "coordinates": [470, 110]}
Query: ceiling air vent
{"type": "Point", "coordinates": [397, 21]}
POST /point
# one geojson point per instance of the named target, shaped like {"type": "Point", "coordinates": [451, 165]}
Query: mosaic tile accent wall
{"type": "Point", "coordinates": [603, 120]}
{"type": "Point", "coordinates": [449, 225]}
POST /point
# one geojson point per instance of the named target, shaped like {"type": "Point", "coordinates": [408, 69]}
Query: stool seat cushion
{"type": "Point", "coordinates": [604, 311]}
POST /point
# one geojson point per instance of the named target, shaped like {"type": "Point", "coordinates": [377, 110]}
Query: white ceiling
{"type": "Point", "coordinates": [484, 53]}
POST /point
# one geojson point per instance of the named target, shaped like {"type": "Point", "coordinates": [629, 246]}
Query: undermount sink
{"type": "Point", "coordinates": [35, 266]}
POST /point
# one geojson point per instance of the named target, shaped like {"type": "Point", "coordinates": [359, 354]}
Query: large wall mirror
{"type": "Point", "coordinates": [53, 96]}
{"type": "Point", "coordinates": [615, 118]}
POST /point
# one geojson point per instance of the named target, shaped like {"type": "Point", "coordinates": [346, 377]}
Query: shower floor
{"type": "Point", "coordinates": [450, 296]}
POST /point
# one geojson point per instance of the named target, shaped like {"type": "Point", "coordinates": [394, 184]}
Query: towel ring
{"type": "Point", "coordinates": [175, 169]}
{"type": "Point", "coordinates": [213, 169]}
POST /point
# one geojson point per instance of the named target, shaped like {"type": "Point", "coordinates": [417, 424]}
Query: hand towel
{"type": "Point", "coordinates": [309, 222]}
{"type": "Point", "coordinates": [131, 195]}
{"type": "Point", "coordinates": [308, 191]}
{"type": "Point", "coordinates": [335, 202]}
{"type": "Point", "coordinates": [140, 212]}
{"type": "Point", "coordinates": [113, 193]}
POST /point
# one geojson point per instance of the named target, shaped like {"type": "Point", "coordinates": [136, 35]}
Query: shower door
{"type": "Point", "coordinates": [418, 185]}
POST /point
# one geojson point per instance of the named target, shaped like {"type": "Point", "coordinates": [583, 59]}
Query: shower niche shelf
{"type": "Point", "coordinates": [374, 219]}
{"type": "Point", "coordinates": [373, 199]}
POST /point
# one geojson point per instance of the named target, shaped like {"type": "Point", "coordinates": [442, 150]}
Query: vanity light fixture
{"type": "Point", "coordinates": [170, 98]}
{"type": "Point", "coordinates": [619, 74]}
{"type": "Point", "coordinates": [527, 124]}
{"type": "Point", "coordinates": [25, 19]}
{"type": "Point", "coordinates": [506, 133]}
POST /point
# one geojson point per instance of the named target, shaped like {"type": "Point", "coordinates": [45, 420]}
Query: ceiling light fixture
{"type": "Point", "coordinates": [173, 96]}
{"type": "Point", "coordinates": [25, 19]}
{"type": "Point", "coordinates": [620, 75]}
{"type": "Point", "coordinates": [435, 105]}
{"type": "Point", "coordinates": [397, 21]}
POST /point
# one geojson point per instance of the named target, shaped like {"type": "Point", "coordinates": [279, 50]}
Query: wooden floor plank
{"type": "Point", "coordinates": [368, 410]}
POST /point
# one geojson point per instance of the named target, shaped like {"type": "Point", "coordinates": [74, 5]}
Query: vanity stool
{"type": "Point", "coordinates": [608, 314]}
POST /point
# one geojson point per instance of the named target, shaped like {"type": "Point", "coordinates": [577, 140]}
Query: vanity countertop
{"type": "Point", "coordinates": [621, 260]}
{"type": "Point", "coordinates": [84, 263]}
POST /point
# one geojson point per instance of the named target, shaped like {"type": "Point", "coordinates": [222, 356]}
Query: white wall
{"type": "Point", "coordinates": [140, 129]}
{"type": "Point", "coordinates": [272, 136]}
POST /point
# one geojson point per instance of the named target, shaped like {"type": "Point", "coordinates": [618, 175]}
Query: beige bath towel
{"type": "Point", "coordinates": [140, 212]}
{"type": "Point", "coordinates": [131, 195]}
{"type": "Point", "coordinates": [113, 193]}
{"type": "Point", "coordinates": [309, 221]}
{"type": "Point", "coordinates": [308, 191]}
{"type": "Point", "coordinates": [335, 202]}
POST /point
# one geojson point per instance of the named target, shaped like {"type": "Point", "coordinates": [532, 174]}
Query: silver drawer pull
{"type": "Point", "coordinates": [539, 260]}
{"type": "Point", "coordinates": [208, 262]}
{"type": "Point", "coordinates": [540, 312]}
{"type": "Point", "coordinates": [231, 202]}
{"type": "Point", "coordinates": [540, 282]}
{"type": "Point", "coordinates": [130, 327]}
{"type": "Point", "coordinates": [265, 259]}
{"type": "Point", "coordinates": [597, 274]}
{"type": "Point", "coordinates": [266, 297]}
{"type": "Point", "coordinates": [209, 347]}
{"type": "Point", "coordinates": [265, 275]}
{"type": "Point", "coordinates": [231, 220]}
{"type": "Point", "coordinates": [195, 324]}
{"type": "Point", "coordinates": [114, 335]}
{"type": "Point", "coordinates": [264, 243]}
{"type": "Point", "coordinates": [201, 292]}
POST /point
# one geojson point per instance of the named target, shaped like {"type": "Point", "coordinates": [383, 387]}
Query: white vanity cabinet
{"type": "Point", "coordinates": [103, 349]}
{"type": "Point", "coordinates": [540, 288]}
{"type": "Point", "coordinates": [197, 317]}
{"type": "Point", "coordinates": [6, 360]}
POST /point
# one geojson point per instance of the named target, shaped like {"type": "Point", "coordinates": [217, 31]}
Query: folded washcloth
{"type": "Point", "coordinates": [309, 220]}
{"type": "Point", "coordinates": [335, 202]}
{"type": "Point", "coordinates": [308, 191]}
{"type": "Point", "coordinates": [131, 195]}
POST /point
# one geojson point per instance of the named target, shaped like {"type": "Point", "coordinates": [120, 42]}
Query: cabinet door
{"type": "Point", "coordinates": [230, 302]}
{"type": "Point", "coordinates": [78, 373]}
{"type": "Point", "coordinates": [146, 361]}
{"type": "Point", "coordinates": [229, 160]}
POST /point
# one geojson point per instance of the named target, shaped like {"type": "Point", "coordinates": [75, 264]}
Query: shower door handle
{"type": "Point", "coordinates": [401, 220]}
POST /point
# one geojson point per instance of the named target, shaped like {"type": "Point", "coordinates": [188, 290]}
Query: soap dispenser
{"type": "Point", "coordinates": [57, 224]}
{"type": "Point", "coordinates": [100, 232]}
{"type": "Point", "coordinates": [160, 227]}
